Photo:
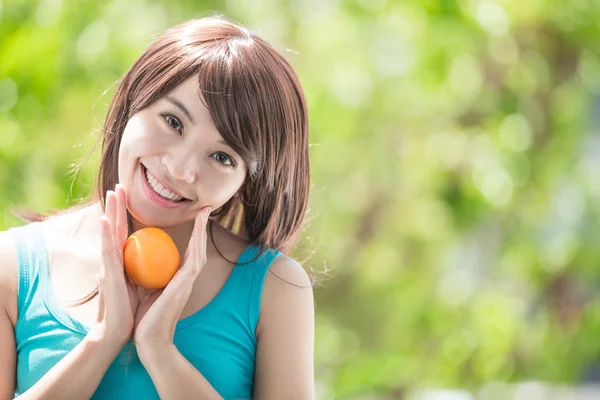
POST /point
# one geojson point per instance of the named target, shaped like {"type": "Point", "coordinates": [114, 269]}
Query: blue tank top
{"type": "Point", "coordinates": [219, 340]}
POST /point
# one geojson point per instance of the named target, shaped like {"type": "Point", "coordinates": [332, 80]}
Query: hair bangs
{"type": "Point", "coordinates": [230, 92]}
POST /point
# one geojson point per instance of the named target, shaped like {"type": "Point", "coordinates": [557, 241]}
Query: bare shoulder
{"type": "Point", "coordinates": [9, 269]}
{"type": "Point", "coordinates": [67, 236]}
{"type": "Point", "coordinates": [54, 228]}
{"type": "Point", "coordinates": [287, 294]}
{"type": "Point", "coordinates": [288, 272]}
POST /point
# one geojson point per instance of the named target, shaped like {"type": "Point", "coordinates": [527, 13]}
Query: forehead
{"type": "Point", "coordinates": [188, 93]}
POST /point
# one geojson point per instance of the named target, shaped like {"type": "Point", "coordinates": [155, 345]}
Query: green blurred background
{"type": "Point", "coordinates": [455, 153]}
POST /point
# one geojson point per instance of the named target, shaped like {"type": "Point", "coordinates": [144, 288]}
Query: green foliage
{"type": "Point", "coordinates": [454, 155]}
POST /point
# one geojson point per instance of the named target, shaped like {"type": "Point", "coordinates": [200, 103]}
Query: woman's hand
{"type": "Point", "coordinates": [158, 313]}
{"type": "Point", "coordinates": [117, 295]}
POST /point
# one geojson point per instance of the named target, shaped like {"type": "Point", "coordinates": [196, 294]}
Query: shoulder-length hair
{"type": "Point", "coordinates": [258, 106]}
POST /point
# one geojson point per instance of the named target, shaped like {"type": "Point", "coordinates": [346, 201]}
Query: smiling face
{"type": "Point", "coordinates": [174, 148]}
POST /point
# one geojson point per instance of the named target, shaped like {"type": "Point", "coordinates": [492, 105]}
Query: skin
{"type": "Point", "coordinates": [189, 157]}
{"type": "Point", "coordinates": [183, 150]}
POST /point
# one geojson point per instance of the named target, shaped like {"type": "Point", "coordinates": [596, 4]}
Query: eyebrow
{"type": "Point", "coordinates": [184, 110]}
{"type": "Point", "coordinates": [180, 105]}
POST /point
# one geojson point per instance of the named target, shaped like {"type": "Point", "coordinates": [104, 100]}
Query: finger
{"type": "Point", "coordinates": [108, 244]}
{"type": "Point", "coordinates": [201, 235]}
{"type": "Point", "coordinates": [171, 301]}
{"type": "Point", "coordinates": [178, 290]}
{"type": "Point", "coordinates": [101, 297]}
{"type": "Point", "coordinates": [121, 228]}
{"type": "Point", "coordinates": [109, 255]}
{"type": "Point", "coordinates": [110, 211]}
{"type": "Point", "coordinates": [197, 246]}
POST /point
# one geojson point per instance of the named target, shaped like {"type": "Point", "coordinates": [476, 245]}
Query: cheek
{"type": "Point", "coordinates": [139, 133]}
{"type": "Point", "coordinates": [125, 149]}
{"type": "Point", "coordinates": [222, 190]}
{"type": "Point", "coordinates": [140, 138]}
{"type": "Point", "coordinates": [135, 144]}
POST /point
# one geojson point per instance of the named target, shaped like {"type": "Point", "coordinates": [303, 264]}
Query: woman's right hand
{"type": "Point", "coordinates": [118, 297]}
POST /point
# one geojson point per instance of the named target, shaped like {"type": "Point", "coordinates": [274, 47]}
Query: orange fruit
{"type": "Point", "coordinates": [150, 258]}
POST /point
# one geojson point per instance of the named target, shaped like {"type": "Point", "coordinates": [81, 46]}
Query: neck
{"type": "Point", "coordinates": [180, 234]}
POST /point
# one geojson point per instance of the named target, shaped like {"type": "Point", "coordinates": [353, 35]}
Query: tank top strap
{"type": "Point", "coordinates": [260, 261]}
{"type": "Point", "coordinates": [31, 253]}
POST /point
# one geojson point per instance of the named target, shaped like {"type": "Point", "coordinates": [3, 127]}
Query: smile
{"type": "Point", "coordinates": [159, 193]}
{"type": "Point", "coordinates": [160, 189]}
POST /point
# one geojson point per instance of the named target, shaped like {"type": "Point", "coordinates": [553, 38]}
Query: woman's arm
{"type": "Point", "coordinates": [156, 320]}
{"type": "Point", "coordinates": [174, 376]}
{"type": "Point", "coordinates": [79, 373]}
{"type": "Point", "coordinates": [284, 363]}
{"type": "Point", "coordinates": [285, 333]}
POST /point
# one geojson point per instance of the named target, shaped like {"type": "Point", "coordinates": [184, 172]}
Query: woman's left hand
{"type": "Point", "coordinates": [158, 313]}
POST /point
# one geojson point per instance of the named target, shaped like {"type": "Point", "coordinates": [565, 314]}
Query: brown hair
{"type": "Point", "coordinates": [258, 106]}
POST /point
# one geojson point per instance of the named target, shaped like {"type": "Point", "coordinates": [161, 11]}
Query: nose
{"type": "Point", "coordinates": [182, 167]}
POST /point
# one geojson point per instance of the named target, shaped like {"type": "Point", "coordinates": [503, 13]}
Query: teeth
{"type": "Point", "coordinates": [158, 188]}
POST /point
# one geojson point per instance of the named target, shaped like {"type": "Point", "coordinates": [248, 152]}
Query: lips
{"type": "Point", "coordinates": [161, 181]}
{"type": "Point", "coordinates": [157, 198]}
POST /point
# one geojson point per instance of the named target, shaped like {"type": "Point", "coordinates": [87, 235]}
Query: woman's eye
{"type": "Point", "coordinates": [173, 122]}
{"type": "Point", "coordinates": [224, 159]}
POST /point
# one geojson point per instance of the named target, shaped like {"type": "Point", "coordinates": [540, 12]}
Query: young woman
{"type": "Point", "coordinates": [206, 138]}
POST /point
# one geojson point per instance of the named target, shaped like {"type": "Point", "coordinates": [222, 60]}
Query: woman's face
{"type": "Point", "coordinates": [174, 148]}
